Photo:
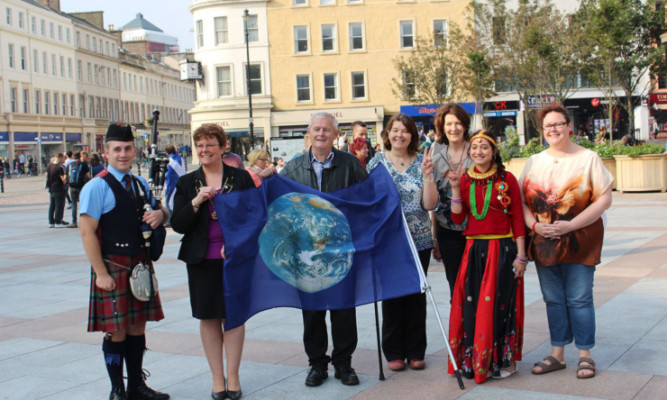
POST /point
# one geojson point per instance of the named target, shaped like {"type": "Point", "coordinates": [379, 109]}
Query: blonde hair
{"type": "Point", "coordinates": [255, 155]}
{"type": "Point", "coordinates": [58, 158]}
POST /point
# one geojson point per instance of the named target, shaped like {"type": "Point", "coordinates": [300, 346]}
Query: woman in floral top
{"type": "Point", "coordinates": [404, 319]}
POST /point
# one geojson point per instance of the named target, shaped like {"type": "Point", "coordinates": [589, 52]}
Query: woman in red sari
{"type": "Point", "coordinates": [486, 321]}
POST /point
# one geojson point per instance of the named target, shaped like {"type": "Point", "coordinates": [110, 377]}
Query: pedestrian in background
{"type": "Point", "coordinates": [55, 182]}
{"type": "Point", "coordinates": [175, 169]}
{"type": "Point", "coordinates": [77, 175]}
{"type": "Point", "coordinates": [259, 166]}
{"type": "Point", "coordinates": [566, 188]}
{"type": "Point", "coordinates": [359, 148]}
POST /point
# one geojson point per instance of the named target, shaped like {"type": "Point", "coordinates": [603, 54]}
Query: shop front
{"type": "Point", "coordinates": [424, 115]}
{"type": "Point", "coordinates": [590, 118]}
{"type": "Point", "coordinates": [294, 124]}
{"type": "Point", "coordinates": [73, 142]}
{"type": "Point", "coordinates": [4, 144]}
{"type": "Point", "coordinates": [51, 143]}
{"type": "Point", "coordinates": [26, 143]}
{"type": "Point", "coordinates": [658, 115]}
{"type": "Point", "coordinates": [501, 116]}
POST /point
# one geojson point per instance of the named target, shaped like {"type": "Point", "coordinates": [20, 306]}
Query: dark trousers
{"type": "Point", "coordinates": [404, 322]}
{"type": "Point", "coordinates": [74, 195]}
{"type": "Point", "coordinates": [452, 245]}
{"type": "Point", "coordinates": [56, 207]}
{"type": "Point", "coordinates": [343, 332]}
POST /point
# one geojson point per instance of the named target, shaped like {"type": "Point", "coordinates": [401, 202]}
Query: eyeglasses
{"type": "Point", "coordinates": [206, 146]}
{"type": "Point", "coordinates": [263, 159]}
{"type": "Point", "coordinates": [554, 126]}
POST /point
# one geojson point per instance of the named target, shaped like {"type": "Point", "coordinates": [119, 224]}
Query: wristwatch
{"type": "Point", "coordinates": [194, 204]}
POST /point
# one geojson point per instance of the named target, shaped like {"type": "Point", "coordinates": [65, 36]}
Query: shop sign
{"type": "Point", "coordinates": [51, 137]}
{"type": "Point", "coordinates": [595, 102]}
{"type": "Point", "coordinates": [537, 102]}
{"type": "Point", "coordinates": [427, 110]}
{"type": "Point", "coordinates": [492, 114]}
{"type": "Point", "coordinates": [25, 136]}
{"type": "Point", "coordinates": [4, 136]}
{"type": "Point", "coordinates": [73, 137]}
{"type": "Point", "coordinates": [658, 98]}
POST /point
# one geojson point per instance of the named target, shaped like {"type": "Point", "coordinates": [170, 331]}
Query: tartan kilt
{"type": "Point", "coordinates": [116, 310]}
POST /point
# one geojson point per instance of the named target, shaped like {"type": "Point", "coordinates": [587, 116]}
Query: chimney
{"type": "Point", "coordinates": [52, 4]}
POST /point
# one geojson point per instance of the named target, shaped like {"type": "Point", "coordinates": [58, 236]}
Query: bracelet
{"type": "Point", "coordinates": [532, 228]}
{"type": "Point", "coordinates": [523, 260]}
{"type": "Point", "coordinates": [194, 205]}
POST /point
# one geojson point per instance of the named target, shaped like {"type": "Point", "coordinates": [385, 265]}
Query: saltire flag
{"type": "Point", "coordinates": [288, 245]}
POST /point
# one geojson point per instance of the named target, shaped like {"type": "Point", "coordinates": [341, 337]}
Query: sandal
{"type": "Point", "coordinates": [589, 366]}
{"type": "Point", "coordinates": [554, 365]}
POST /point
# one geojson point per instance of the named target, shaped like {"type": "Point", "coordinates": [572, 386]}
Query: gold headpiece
{"type": "Point", "coordinates": [482, 135]}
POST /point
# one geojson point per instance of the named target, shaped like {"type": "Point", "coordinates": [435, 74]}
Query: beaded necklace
{"type": "Point", "coordinates": [486, 177]}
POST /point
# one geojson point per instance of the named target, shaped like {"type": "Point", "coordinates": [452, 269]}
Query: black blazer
{"type": "Point", "coordinates": [194, 226]}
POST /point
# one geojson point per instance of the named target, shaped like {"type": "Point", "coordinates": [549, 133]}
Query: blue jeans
{"type": "Point", "coordinates": [567, 289]}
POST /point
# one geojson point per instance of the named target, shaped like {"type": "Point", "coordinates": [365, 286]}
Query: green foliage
{"type": "Point", "coordinates": [643, 149]}
{"type": "Point", "coordinates": [621, 36]}
{"type": "Point", "coordinates": [429, 74]}
{"type": "Point", "coordinates": [511, 148]}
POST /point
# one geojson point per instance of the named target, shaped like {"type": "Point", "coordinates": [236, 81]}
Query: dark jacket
{"type": "Point", "coordinates": [194, 226]}
{"type": "Point", "coordinates": [345, 170]}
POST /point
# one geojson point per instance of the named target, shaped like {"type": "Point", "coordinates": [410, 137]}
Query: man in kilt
{"type": "Point", "coordinates": [111, 214]}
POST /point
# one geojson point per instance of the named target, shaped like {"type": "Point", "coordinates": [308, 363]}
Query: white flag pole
{"type": "Point", "coordinates": [427, 289]}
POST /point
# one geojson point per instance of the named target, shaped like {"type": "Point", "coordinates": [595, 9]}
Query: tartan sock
{"type": "Point", "coordinates": [113, 359]}
{"type": "Point", "coordinates": [135, 346]}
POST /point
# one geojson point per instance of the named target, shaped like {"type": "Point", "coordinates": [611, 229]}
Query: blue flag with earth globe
{"type": "Point", "coordinates": [288, 245]}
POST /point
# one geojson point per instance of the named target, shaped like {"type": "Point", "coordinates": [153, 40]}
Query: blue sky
{"type": "Point", "coordinates": [172, 16]}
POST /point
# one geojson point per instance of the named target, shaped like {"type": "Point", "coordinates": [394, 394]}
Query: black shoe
{"type": "Point", "coordinates": [145, 393]}
{"type": "Point", "coordinates": [316, 376]}
{"type": "Point", "coordinates": [346, 375]}
{"type": "Point", "coordinates": [234, 395]}
{"type": "Point", "coordinates": [62, 222]}
{"type": "Point", "coordinates": [118, 394]}
{"type": "Point", "coordinates": [219, 395]}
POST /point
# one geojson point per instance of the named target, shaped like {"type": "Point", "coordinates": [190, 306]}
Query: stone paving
{"type": "Point", "coordinates": [46, 353]}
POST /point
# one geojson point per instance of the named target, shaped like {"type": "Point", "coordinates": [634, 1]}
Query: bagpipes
{"type": "Point", "coordinates": [155, 238]}
{"type": "Point", "coordinates": [143, 282]}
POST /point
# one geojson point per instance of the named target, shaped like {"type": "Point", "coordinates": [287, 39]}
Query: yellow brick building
{"type": "Point", "coordinates": [338, 56]}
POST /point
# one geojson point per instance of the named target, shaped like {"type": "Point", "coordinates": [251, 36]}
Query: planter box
{"type": "Point", "coordinates": [641, 174]}
{"type": "Point", "coordinates": [515, 166]}
{"type": "Point", "coordinates": [610, 164]}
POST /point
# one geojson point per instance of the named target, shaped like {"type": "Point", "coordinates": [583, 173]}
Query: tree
{"type": "Point", "coordinates": [533, 50]}
{"type": "Point", "coordinates": [429, 74]}
{"type": "Point", "coordinates": [625, 36]}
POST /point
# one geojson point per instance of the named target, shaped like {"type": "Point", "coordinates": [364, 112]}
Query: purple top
{"type": "Point", "coordinates": [215, 237]}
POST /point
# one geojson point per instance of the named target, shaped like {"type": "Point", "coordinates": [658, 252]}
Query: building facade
{"type": "Point", "coordinates": [307, 56]}
{"type": "Point", "coordinates": [60, 83]}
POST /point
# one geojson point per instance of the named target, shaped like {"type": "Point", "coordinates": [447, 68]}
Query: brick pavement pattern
{"type": "Point", "coordinates": [46, 353]}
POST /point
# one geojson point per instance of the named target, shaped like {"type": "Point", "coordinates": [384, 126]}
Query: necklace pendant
{"type": "Point", "coordinates": [214, 216]}
{"type": "Point", "coordinates": [402, 164]}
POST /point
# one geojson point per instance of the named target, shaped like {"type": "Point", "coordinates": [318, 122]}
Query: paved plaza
{"type": "Point", "coordinates": [46, 353]}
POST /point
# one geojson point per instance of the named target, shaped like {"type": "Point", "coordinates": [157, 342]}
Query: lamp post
{"type": "Point", "coordinates": [246, 18]}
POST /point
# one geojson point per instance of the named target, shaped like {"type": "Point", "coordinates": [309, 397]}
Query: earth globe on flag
{"type": "Point", "coordinates": [306, 242]}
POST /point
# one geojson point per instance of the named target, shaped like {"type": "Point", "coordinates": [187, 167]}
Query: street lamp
{"type": "Point", "coordinates": [246, 18]}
